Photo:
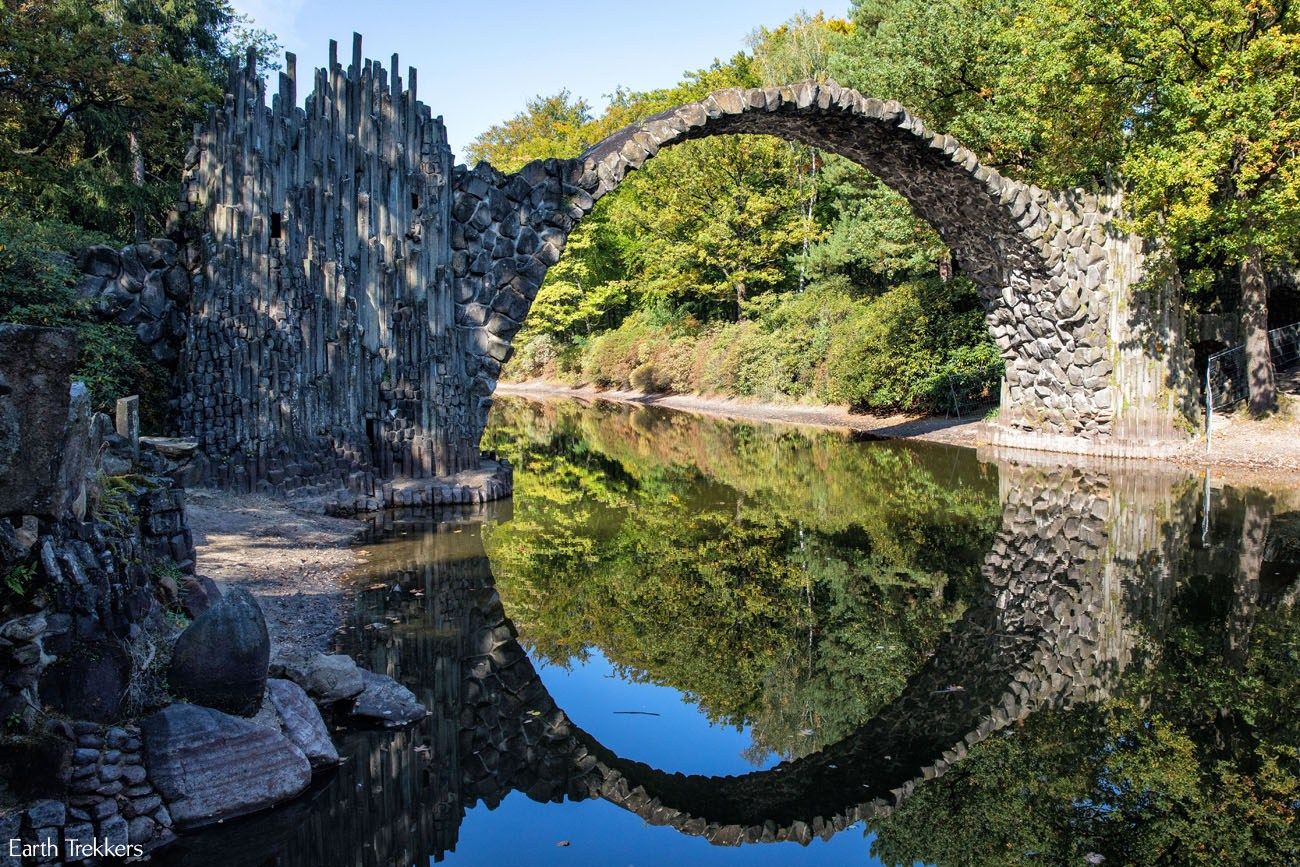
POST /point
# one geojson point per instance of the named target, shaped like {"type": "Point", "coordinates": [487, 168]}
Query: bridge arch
{"type": "Point", "coordinates": [1049, 266]}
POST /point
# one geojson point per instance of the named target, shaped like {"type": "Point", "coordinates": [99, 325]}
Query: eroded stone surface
{"type": "Point", "coordinates": [36, 366]}
{"type": "Point", "coordinates": [301, 722]}
{"type": "Point", "coordinates": [386, 702]}
{"type": "Point", "coordinates": [210, 766]}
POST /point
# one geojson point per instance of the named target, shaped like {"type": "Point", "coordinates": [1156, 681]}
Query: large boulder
{"type": "Point", "coordinates": [300, 721]}
{"type": "Point", "coordinates": [386, 702]}
{"type": "Point", "coordinates": [327, 678]}
{"type": "Point", "coordinates": [36, 366]}
{"type": "Point", "coordinates": [221, 659]}
{"type": "Point", "coordinates": [210, 766]}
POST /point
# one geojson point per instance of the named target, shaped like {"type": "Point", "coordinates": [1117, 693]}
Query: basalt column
{"type": "Point", "coordinates": [322, 346]}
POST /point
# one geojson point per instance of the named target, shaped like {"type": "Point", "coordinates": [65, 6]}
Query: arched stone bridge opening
{"type": "Point", "coordinates": [355, 294]}
{"type": "Point", "coordinates": [1055, 273]}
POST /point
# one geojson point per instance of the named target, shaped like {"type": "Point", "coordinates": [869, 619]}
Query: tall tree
{"type": "Point", "coordinates": [97, 100]}
{"type": "Point", "coordinates": [1212, 90]}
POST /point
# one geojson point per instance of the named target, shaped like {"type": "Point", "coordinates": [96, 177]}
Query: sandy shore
{"type": "Point", "coordinates": [1240, 446]}
{"type": "Point", "coordinates": [288, 554]}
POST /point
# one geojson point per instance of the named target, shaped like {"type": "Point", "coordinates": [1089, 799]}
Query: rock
{"type": "Point", "coordinates": [153, 299]}
{"type": "Point", "coordinates": [114, 831]}
{"type": "Point", "coordinates": [82, 832]}
{"type": "Point", "coordinates": [47, 813]}
{"type": "Point", "coordinates": [89, 684]}
{"type": "Point", "coordinates": [301, 722]}
{"type": "Point", "coordinates": [198, 594]}
{"type": "Point", "coordinates": [89, 287]}
{"type": "Point", "coordinates": [100, 261]}
{"type": "Point", "coordinates": [387, 702]}
{"type": "Point", "coordinates": [21, 630]}
{"type": "Point", "coordinates": [141, 829]}
{"type": "Point", "coordinates": [103, 809]}
{"type": "Point", "coordinates": [36, 367]}
{"type": "Point", "coordinates": [221, 659]}
{"type": "Point", "coordinates": [326, 678]}
{"type": "Point", "coordinates": [142, 806]}
{"type": "Point", "coordinates": [210, 766]}
{"type": "Point", "coordinates": [176, 448]}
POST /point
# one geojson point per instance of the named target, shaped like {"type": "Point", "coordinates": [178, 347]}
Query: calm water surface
{"type": "Point", "coordinates": [685, 632]}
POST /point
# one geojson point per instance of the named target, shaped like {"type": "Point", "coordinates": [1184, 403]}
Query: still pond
{"type": "Point", "coordinates": [694, 641]}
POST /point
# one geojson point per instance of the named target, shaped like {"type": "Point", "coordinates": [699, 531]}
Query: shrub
{"type": "Point", "coordinates": [38, 276]}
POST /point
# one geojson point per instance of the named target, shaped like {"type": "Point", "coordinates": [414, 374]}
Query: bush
{"type": "Point", "coordinates": [919, 347]}
{"type": "Point", "coordinates": [38, 276]}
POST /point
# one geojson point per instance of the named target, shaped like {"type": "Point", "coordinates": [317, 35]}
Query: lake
{"type": "Point", "coordinates": [688, 640]}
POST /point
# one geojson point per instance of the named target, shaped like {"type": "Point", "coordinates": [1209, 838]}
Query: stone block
{"type": "Point", "coordinates": [36, 366]}
{"type": "Point", "coordinates": [210, 766]}
{"type": "Point", "coordinates": [221, 658]}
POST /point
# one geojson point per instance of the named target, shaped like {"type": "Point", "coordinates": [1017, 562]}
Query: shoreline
{"type": "Point", "coordinates": [1241, 447]}
{"type": "Point", "coordinates": [965, 430]}
{"type": "Point", "coordinates": [289, 555]}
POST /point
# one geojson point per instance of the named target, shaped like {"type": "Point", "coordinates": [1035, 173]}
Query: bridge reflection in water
{"type": "Point", "coordinates": [1080, 578]}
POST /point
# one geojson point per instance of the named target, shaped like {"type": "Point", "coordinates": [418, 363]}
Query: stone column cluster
{"type": "Point", "coordinates": [144, 286]}
{"type": "Point", "coordinates": [322, 344]}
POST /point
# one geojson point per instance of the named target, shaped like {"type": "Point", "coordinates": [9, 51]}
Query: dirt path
{"type": "Point", "coordinates": [1269, 448]}
{"type": "Point", "coordinates": [289, 555]}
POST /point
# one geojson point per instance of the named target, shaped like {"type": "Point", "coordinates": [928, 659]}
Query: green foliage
{"type": "Point", "coordinates": [115, 502]}
{"type": "Point", "coordinates": [549, 126]}
{"type": "Point", "coordinates": [97, 103]}
{"type": "Point", "coordinates": [18, 580]}
{"type": "Point", "coordinates": [37, 287]}
{"type": "Point", "coordinates": [908, 349]}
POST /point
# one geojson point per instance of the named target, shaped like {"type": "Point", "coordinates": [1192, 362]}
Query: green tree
{"type": "Point", "coordinates": [97, 103]}
{"type": "Point", "coordinates": [1210, 92]}
{"type": "Point", "coordinates": [549, 126]}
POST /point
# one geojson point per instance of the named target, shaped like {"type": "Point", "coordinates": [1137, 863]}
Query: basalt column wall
{"type": "Point", "coordinates": [322, 345]}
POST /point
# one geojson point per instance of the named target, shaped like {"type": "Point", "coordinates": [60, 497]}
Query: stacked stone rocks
{"type": "Point", "coordinates": [87, 571]}
{"type": "Point", "coordinates": [1092, 353]}
{"type": "Point", "coordinates": [110, 796]}
{"type": "Point", "coordinates": [322, 346]}
{"type": "Point", "coordinates": [145, 286]}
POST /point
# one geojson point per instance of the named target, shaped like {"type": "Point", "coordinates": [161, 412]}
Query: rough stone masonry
{"type": "Point", "coordinates": [357, 293]}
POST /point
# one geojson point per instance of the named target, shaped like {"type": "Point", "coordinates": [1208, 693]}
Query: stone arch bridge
{"type": "Point", "coordinates": [356, 294]}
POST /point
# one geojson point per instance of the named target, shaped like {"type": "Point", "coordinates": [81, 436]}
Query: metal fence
{"type": "Point", "coordinates": [1226, 375]}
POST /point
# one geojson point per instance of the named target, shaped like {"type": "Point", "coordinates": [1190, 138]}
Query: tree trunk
{"type": "Point", "coordinates": [740, 300]}
{"type": "Point", "coordinates": [1250, 560]}
{"type": "Point", "coordinates": [137, 178]}
{"type": "Point", "coordinates": [1254, 326]}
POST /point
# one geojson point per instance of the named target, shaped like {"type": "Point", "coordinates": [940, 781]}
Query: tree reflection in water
{"type": "Point", "coordinates": [988, 662]}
